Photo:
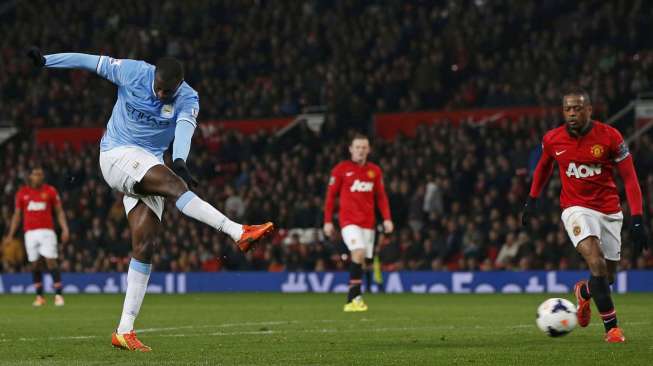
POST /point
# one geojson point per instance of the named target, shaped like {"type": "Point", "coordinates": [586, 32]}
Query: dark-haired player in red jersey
{"type": "Point", "coordinates": [359, 184]}
{"type": "Point", "coordinates": [586, 152]}
{"type": "Point", "coordinates": [36, 202]}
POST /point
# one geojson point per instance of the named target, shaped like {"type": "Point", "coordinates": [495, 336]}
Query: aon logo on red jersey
{"type": "Point", "coordinates": [36, 206]}
{"type": "Point", "coordinates": [359, 186]}
{"type": "Point", "coordinates": [582, 170]}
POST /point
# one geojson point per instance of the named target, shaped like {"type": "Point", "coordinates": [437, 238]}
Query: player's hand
{"type": "Point", "coordinates": [528, 211]}
{"type": "Point", "coordinates": [388, 226]}
{"type": "Point", "coordinates": [34, 53]}
{"type": "Point", "coordinates": [638, 234]}
{"type": "Point", "coordinates": [65, 236]}
{"type": "Point", "coordinates": [180, 168]}
{"type": "Point", "coordinates": [329, 229]}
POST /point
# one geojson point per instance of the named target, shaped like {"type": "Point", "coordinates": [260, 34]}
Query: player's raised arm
{"type": "Point", "coordinates": [383, 203]}
{"type": "Point", "coordinates": [115, 70]}
{"type": "Point", "coordinates": [186, 123]}
{"type": "Point", "coordinates": [335, 182]}
{"type": "Point", "coordinates": [626, 169]}
{"type": "Point", "coordinates": [541, 176]}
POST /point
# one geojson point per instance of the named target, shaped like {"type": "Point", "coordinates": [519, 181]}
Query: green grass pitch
{"type": "Point", "coordinates": [311, 329]}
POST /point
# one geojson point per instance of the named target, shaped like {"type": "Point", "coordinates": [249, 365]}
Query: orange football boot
{"type": "Point", "coordinates": [129, 342]}
{"type": "Point", "coordinates": [584, 311]}
{"type": "Point", "coordinates": [252, 233]}
{"type": "Point", "coordinates": [615, 335]}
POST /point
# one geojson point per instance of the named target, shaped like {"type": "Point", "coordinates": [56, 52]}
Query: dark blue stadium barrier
{"type": "Point", "coordinates": [395, 282]}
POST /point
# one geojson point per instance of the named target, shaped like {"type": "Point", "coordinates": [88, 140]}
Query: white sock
{"type": "Point", "coordinates": [191, 205]}
{"type": "Point", "coordinates": [137, 278]}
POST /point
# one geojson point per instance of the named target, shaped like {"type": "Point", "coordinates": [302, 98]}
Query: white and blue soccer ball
{"type": "Point", "coordinates": [556, 317]}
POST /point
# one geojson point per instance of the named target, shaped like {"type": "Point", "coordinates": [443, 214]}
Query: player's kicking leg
{"type": "Point", "coordinates": [160, 180]}
{"type": "Point", "coordinates": [598, 288]}
{"type": "Point", "coordinates": [144, 221]}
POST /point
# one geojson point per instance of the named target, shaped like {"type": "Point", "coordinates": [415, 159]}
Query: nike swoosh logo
{"type": "Point", "coordinates": [349, 174]}
{"type": "Point", "coordinates": [558, 153]}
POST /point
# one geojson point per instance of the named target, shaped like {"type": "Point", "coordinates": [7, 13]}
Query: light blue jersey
{"type": "Point", "coordinates": [139, 118]}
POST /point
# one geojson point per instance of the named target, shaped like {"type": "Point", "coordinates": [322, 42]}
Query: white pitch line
{"type": "Point", "coordinates": [320, 330]}
{"type": "Point", "coordinates": [230, 325]}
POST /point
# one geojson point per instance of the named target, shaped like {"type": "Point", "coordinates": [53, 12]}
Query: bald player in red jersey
{"type": "Point", "coordinates": [36, 202]}
{"type": "Point", "coordinates": [587, 151]}
{"type": "Point", "coordinates": [360, 185]}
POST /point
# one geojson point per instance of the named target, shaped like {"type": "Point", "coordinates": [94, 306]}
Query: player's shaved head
{"type": "Point", "coordinates": [577, 110]}
{"type": "Point", "coordinates": [168, 77]}
{"type": "Point", "coordinates": [170, 69]}
{"type": "Point", "coordinates": [578, 92]}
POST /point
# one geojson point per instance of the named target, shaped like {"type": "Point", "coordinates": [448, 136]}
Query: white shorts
{"type": "Point", "coordinates": [582, 222]}
{"type": "Point", "coordinates": [123, 167]}
{"type": "Point", "coordinates": [41, 242]}
{"type": "Point", "coordinates": [355, 237]}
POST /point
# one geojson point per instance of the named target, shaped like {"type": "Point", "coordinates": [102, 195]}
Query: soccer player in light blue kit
{"type": "Point", "coordinates": [155, 107]}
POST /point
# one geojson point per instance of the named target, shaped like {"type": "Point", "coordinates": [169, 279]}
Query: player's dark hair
{"type": "Point", "coordinates": [170, 69]}
{"type": "Point", "coordinates": [578, 92]}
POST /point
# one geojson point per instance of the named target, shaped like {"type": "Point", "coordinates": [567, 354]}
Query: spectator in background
{"type": "Point", "coordinates": [508, 254]}
{"type": "Point", "coordinates": [234, 204]}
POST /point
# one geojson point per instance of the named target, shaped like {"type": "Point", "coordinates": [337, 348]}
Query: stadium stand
{"type": "Point", "coordinates": [255, 59]}
{"type": "Point", "coordinates": [456, 193]}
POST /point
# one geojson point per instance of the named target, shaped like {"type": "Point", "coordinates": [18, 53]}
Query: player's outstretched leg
{"type": "Point", "coordinates": [162, 181]}
{"type": "Point", "coordinates": [144, 226]}
{"type": "Point", "coordinates": [37, 280]}
{"type": "Point", "coordinates": [599, 288]}
{"type": "Point", "coordinates": [53, 267]}
{"type": "Point", "coordinates": [244, 235]}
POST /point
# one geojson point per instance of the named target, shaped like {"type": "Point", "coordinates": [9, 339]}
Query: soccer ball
{"type": "Point", "coordinates": [556, 317]}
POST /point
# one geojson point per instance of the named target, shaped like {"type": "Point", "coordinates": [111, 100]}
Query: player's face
{"type": "Point", "coordinates": [577, 112]}
{"type": "Point", "coordinates": [359, 149]}
{"type": "Point", "coordinates": [36, 177]}
{"type": "Point", "coordinates": [165, 89]}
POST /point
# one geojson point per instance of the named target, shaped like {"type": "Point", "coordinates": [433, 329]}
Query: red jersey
{"type": "Point", "coordinates": [586, 165]}
{"type": "Point", "coordinates": [36, 205]}
{"type": "Point", "coordinates": [359, 187]}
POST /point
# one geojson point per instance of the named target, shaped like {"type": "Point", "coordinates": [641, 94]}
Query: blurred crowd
{"type": "Point", "coordinates": [255, 58]}
{"type": "Point", "coordinates": [455, 192]}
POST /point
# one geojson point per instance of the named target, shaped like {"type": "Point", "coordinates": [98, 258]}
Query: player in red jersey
{"type": "Point", "coordinates": [587, 151]}
{"type": "Point", "coordinates": [359, 184]}
{"type": "Point", "coordinates": [36, 202]}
